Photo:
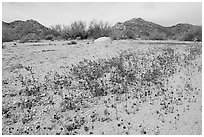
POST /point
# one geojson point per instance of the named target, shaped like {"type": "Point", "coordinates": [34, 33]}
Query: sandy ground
{"type": "Point", "coordinates": [126, 116]}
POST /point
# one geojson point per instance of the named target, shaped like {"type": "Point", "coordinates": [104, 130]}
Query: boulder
{"type": "Point", "coordinates": [78, 38]}
{"type": "Point", "coordinates": [103, 40]}
{"type": "Point", "coordinates": [70, 43]}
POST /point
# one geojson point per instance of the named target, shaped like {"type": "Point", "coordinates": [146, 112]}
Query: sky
{"type": "Point", "coordinates": [64, 13]}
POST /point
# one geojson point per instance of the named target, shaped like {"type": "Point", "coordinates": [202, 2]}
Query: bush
{"type": "Point", "coordinates": [157, 36]}
{"type": "Point", "coordinates": [31, 37]}
{"type": "Point", "coordinates": [192, 35]}
{"type": "Point", "coordinates": [130, 34]}
{"type": "Point", "coordinates": [49, 37]}
{"type": "Point", "coordinates": [125, 34]}
{"type": "Point", "coordinates": [98, 29]}
{"type": "Point", "coordinates": [7, 35]}
{"type": "Point", "coordinates": [60, 32]}
{"type": "Point", "coordinates": [78, 29]}
{"type": "Point", "coordinates": [117, 35]}
{"type": "Point", "coordinates": [56, 30]}
{"type": "Point", "coordinates": [73, 42]}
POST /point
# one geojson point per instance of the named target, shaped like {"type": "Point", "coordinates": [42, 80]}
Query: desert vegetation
{"type": "Point", "coordinates": [7, 35]}
{"type": "Point", "coordinates": [139, 78]}
{"type": "Point", "coordinates": [106, 95]}
{"type": "Point", "coordinates": [135, 28]}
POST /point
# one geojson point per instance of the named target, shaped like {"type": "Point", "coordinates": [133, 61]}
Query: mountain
{"type": "Point", "coordinates": [148, 30]}
{"type": "Point", "coordinates": [144, 28]}
{"type": "Point", "coordinates": [136, 28]}
{"type": "Point", "coordinates": [20, 28]}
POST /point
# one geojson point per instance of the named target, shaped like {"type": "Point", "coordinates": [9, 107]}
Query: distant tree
{"type": "Point", "coordinates": [78, 29]}
{"type": "Point", "coordinates": [98, 29]}
{"type": "Point", "coordinates": [60, 32]}
{"type": "Point", "coordinates": [65, 33]}
{"type": "Point", "coordinates": [56, 30]}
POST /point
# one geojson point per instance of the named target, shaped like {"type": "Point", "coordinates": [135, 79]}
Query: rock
{"type": "Point", "coordinates": [78, 38]}
{"type": "Point", "coordinates": [70, 43]}
{"type": "Point", "coordinates": [103, 40]}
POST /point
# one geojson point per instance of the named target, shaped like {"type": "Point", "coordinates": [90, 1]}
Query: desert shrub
{"type": "Point", "coordinates": [122, 34]}
{"type": "Point", "coordinates": [157, 36]}
{"type": "Point", "coordinates": [60, 32]}
{"type": "Point", "coordinates": [65, 34]}
{"type": "Point", "coordinates": [31, 37]}
{"type": "Point", "coordinates": [130, 34]}
{"type": "Point", "coordinates": [98, 29]}
{"type": "Point", "coordinates": [126, 70]}
{"type": "Point", "coordinates": [194, 52]}
{"type": "Point", "coordinates": [117, 35]}
{"type": "Point", "coordinates": [7, 35]}
{"type": "Point", "coordinates": [56, 30]}
{"type": "Point", "coordinates": [89, 72]}
{"type": "Point", "coordinates": [73, 42]}
{"type": "Point", "coordinates": [78, 29]}
{"type": "Point", "coordinates": [192, 35]}
{"type": "Point", "coordinates": [49, 37]}
{"type": "Point", "coordinates": [113, 36]}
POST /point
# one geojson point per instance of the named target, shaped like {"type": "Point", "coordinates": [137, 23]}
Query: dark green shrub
{"type": "Point", "coordinates": [98, 29]}
{"type": "Point", "coordinates": [31, 37]}
{"type": "Point", "coordinates": [157, 36]}
{"type": "Point", "coordinates": [122, 34]}
{"type": "Point", "coordinates": [49, 37]}
{"type": "Point", "coordinates": [7, 35]}
{"type": "Point", "coordinates": [60, 32]}
{"type": "Point", "coordinates": [73, 42]}
{"type": "Point", "coordinates": [117, 35]}
{"type": "Point", "coordinates": [192, 35]}
{"type": "Point", "coordinates": [130, 34]}
{"type": "Point", "coordinates": [78, 29]}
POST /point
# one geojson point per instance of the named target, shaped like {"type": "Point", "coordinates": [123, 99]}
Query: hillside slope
{"type": "Point", "coordinates": [136, 28]}
{"type": "Point", "coordinates": [22, 28]}
{"type": "Point", "coordinates": [149, 30]}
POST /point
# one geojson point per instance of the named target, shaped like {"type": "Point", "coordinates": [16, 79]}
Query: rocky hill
{"type": "Point", "coordinates": [140, 28]}
{"type": "Point", "coordinates": [20, 29]}
{"type": "Point", "coordinates": [135, 28]}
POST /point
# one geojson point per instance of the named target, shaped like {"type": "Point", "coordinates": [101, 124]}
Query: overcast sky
{"type": "Point", "coordinates": [48, 14]}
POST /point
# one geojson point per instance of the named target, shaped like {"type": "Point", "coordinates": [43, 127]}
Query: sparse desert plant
{"type": "Point", "coordinates": [7, 35]}
{"type": "Point", "coordinates": [130, 34]}
{"type": "Point", "coordinates": [60, 32]}
{"type": "Point", "coordinates": [192, 35]}
{"type": "Point", "coordinates": [49, 37]}
{"type": "Point", "coordinates": [31, 37]}
{"type": "Point", "coordinates": [118, 35]}
{"type": "Point", "coordinates": [78, 29]}
{"type": "Point", "coordinates": [157, 36]}
{"type": "Point", "coordinates": [98, 29]}
{"type": "Point", "coordinates": [69, 98]}
{"type": "Point", "coordinates": [73, 42]}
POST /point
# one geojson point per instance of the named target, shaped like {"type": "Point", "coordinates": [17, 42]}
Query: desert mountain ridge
{"type": "Point", "coordinates": [144, 29]}
{"type": "Point", "coordinates": [133, 28]}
